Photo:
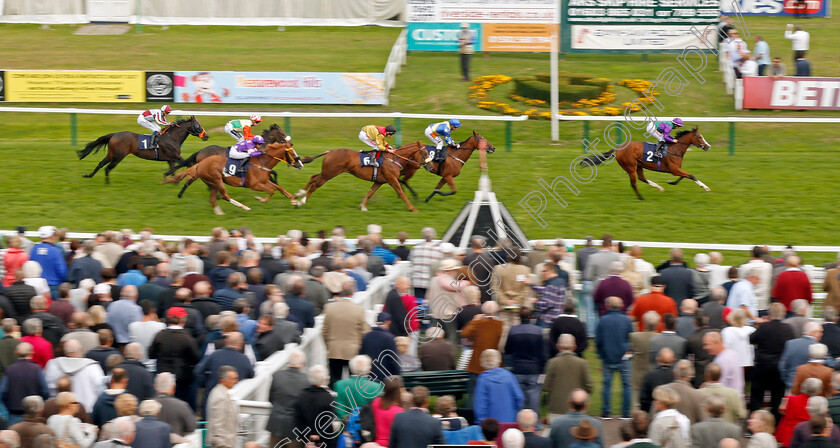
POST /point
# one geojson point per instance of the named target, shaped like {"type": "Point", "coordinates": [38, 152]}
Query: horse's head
{"type": "Point", "coordinates": [699, 141]}
{"type": "Point", "coordinates": [482, 143]}
{"type": "Point", "coordinates": [195, 128]}
{"type": "Point", "coordinates": [284, 151]}
{"type": "Point", "coordinates": [424, 156]}
{"type": "Point", "coordinates": [275, 134]}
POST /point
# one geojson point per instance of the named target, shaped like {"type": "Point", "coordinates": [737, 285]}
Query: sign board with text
{"type": "Point", "coordinates": [812, 8]}
{"type": "Point", "coordinates": [636, 37]}
{"type": "Point", "coordinates": [81, 86]}
{"type": "Point", "coordinates": [798, 93]}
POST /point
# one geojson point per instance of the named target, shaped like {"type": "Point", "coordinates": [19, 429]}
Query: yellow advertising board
{"type": "Point", "coordinates": [534, 37]}
{"type": "Point", "coordinates": [75, 86]}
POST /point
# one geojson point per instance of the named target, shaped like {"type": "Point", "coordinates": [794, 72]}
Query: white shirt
{"type": "Point", "coordinates": [718, 275]}
{"type": "Point", "coordinates": [801, 39]}
{"type": "Point", "coordinates": [765, 275]}
{"type": "Point", "coordinates": [647, 270]}
{"type": "Point", "coordinates": [681, 419]}
{"type": "Point", "coordinates": [736, 47]}
{"type": "Point", "coordinates": [749, 68]}
{"type": "Point", "coordinates": [738, 340]}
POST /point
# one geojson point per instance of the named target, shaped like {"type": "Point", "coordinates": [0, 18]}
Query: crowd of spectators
{"type": "Point", "coordinates": [758, 62]}
{"type": "Point", "coordinates": [115, 342]}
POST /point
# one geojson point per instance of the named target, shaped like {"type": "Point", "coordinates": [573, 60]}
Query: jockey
{"type": "Point", "coordinates": [374, 136]}
{"type": "Point", "coordinates": [152, 120]}
{"type": "Point", "coordinates": [240, 130]}
{"type": "Point", "coordinates": [246, 148]}
{"type": "Point", "coordinates": [438, 133]}
{"type": "Point", "coordinates": [662, 131]}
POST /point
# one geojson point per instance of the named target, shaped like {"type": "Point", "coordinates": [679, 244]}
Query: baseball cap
{"type": "Point", "coordinates": [176, 311]}
{"type": "Point", "coordinates": [46, 231]}
{"type": "Point", "coordinates": [21, 229]}
{"type": "Point", "coordinates": [383, 317]}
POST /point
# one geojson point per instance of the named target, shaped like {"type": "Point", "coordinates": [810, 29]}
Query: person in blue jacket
{"type": "Point", "coordinates": [497, 392]}
{"type": "Point", "coordinates": [51, 259]}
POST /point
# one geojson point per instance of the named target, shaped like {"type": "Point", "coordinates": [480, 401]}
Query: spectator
{"type": "Point", "coordinates": [298, 305]}
{"type": "Point", "coordinates": [105, 349]}
{"type": "Point", "coordinates": [423, 256]}
{"type": "Point", "coordinates": [415, 428]}
{"type": "Point", "coordinates": [640, 345]}
{"type": "Point", "coordinates": [151, 431]}
{"type": "Point", "coordinates": [188, 251]}
{"type": "Point", "coordinates": [445, 295]}
{"type": "Point", "coordinates": [732, 373]}
{"type": "Point", "coordinates": [123, 313]}
{"type": "Point", "coordinates": [220, 273]}
{"type": "Point", "coordinates": [552, 294]}
{"type": "Point", "coordinates": [709, 432]}
{"type": "Point", "coordinates": [792, 284]}
{"type": "Point", "coordinates": [222, 414]}
{"type": "Point", "coordinates": [734, 50]}
{"type": "Point", "coordinates": [86, 375]}
{"type": "Point", "coordinates": [231, 355]}
{"type": "Point", "coordinates": [13, 259]}
{"type": "Point", "coordinates": [247, 326]}
{"type": "Point", "coordinates": [140, 380]}
{"type": "Point", "coordinates": [668, 338]}
{"type": "Point", "coordinates": [144, 331]}
{"type": "Point", "coordinates": [748, 65]}
{"type": "Point", "coordinates": [497, 392]}
{"type": "Point", "coordinates": [734, 399]}
{"type": "Point", "coordinates": [66, 426]}
{"type": "Point", "coordinates": [408, 362]}
{"type": "Point", "coordinates": [32, 276]}
{"type": "Point", "coordinates": [123, 434]}
{"type": "Point", "coordinates": [343, 328]}
{"type": "Point", "coordinates": [596, 269]}
{"type": "Point", "coordinates": [80, 331]}
{"type": "Point", "coordinates": [761, 424]}
{"type": "Point", "coordinates": [686, 323]}
{"type": "Point", "coordinates": [267, 342]}
{"type": "Point", "coordinates": [527, 352]}
{"type": "Point", "coordinates": [701, 277]}
{"type": "Point", "coordinates": [53, 327]}
{"type": "Point", "coordinates": [51, 406]}
{"type": "Point", "coordinates": [484, 331]}
{"type": "Point", "coordinates": [286, 386]}
{"type": "Point", "coordinates": [763, 271]}
{"type": "Point", "coordinates": [385, 408]}
{"type": "Point", "coordinates": [770, 340]}
{"type": "Point", "coordinates": [714, 308]}
{"type": "Point", "coordinates": [613, 286]}
{"type": "Point", "coordinates": [563, 374]}
{"type": "Point", "coordinates": [437, 353]}
{"type": "Point", "coordinates": [803, 67]}
{"type": "Point", "coordinates": [691, 401]}
{"type": "Point", "coordinates": [814, 368]}
{"type": "Point", "coordinates": [104, 410]}
{"type": "Point", "coordinates": [762, 54]}
{"type": "Point", "coordinates": [380, 346]}
{"type": "Point", "coordinates": [655, 301]}
{"type": "Point", "coordinates": [313, 402]}
{"type": "Point", "coordinates": [42, 348]}
{"type": "Point", "coordinates": [8, 343]}
{"type": "Point", "coordinates": [466, 39]}
{"type": "Point", "coordinates": [513, 291]}
{"type": "Point", "coordinates": [737, 338]}
{"type": "Point", "coordinates": [817, 407]}
{"type": "Point", "coordinates": [679, 282]}
{"type": "Point", "coordinates": [176, 352]}
{"type": "Point", "coordinates": [396, 308]}
{"type": "Point", "coordinates": [561, 436]}
{"type": "Point", "coordinates": [177, 413]}
{"type": "Point", "coordinates": [202, 301]}
{"type": "Point", "coordinates": [743, 293]}
{"type": "Point", "coordinates": [32, 424]}
{"type": "Point", "coordinates": [527, 420]}
{"type": "Point", "coordinates": [663, 374]}
{"type": "Point", "coordinates": [356, 391]}
{"type": "Point", "coordinates": [669, 428]}
{"type": "Point", "coordinates": [22, 379]}
{"type": "Point", "coordinates": [133, 276]}
{"type": "Point", "coordinates": [777, 70]}
{"type": "Point", "coordinates": [795, 410]}
{"type": "Point", "coordinates": [20, 294]}
{"type": "Point", "coordinates": [796, 318]}
{"type": "Point", "coordinates": [800, 40]}
{"type": "Point", "coordinates": [831, 332]}
{"type": "Point", "coordinates": [61, 307]}
{"type": "Point", "coordinates": [796, 351]}
{"type": "Point", "coordinates": [820, 431]}
{"type": "Point", "coordinates": [50, 257]}
{"type": "Point", "coordinates": [568, 323]}
{"type": "Point", "coordinates": [236, 284]}
{"type": "Point", "coordinates": [612, 340]}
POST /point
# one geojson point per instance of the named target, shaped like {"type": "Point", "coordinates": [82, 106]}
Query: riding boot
{"type": "Point", "coordinates": [660, 150]}
{"type": "Point", "coordinates": [155, 139]}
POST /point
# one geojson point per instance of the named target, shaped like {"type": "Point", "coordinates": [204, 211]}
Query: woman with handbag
{"type": "Point", "coordinates": [69, 430]}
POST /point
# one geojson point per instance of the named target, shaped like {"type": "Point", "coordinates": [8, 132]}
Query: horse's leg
{"type": "Point", "coordinates": [271, 187]}
{"type": "Point", "coordinates": [226, 196]}
{"type": "Point", "coordinates": [437, 190]}
{"type": "Point", "coordinates": [395, 184]}
{"type": "Point", "coordinates": [172, 164]}
{"type": "Point", "coordinates": [214, 192]}
{"type": "Point", "coordinates": [115, 160]}
{"type": "Point", "coordinates": [410, 190]}
{"type": "Point", "coordinates": [681, 173]}
{"type": "Point", "coordinates": [451, 182]}
{"type": "Point", "coordinates": [370, 193]}
{"type": "Point", "coordinates": [631, 171]}
{"type": "Point", "coordinates": [674, 182]}
{"type": "Point", "coordinates": [640, 172]}
{"type": "Point", "coordinates": [291, 197]}
{"type": "Point", "coordinates": [315, 182]}
{"type": "Point", "coordinates": [98, 167]}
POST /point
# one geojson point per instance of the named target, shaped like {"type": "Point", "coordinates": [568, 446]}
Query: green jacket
{"type": "Point", "coordinates": [353, 393]}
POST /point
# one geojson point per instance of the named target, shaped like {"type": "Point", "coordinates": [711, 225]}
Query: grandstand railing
{"type": "Point", "coordinates": [395, 62]}
{"type": "Point", "coordinates": [252, 395]}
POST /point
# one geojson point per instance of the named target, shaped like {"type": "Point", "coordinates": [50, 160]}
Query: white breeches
{"type": "Point", "coordinates": [150, 125]}
{"type": "Point", "coordinates": [434, 138]}
{"type": "Point", "coordinates": [238, 155]}
{"type": "Point", "coordinates": [364, 138]}
{"type": "Point", "coordinates": [653, 132]}
{"type": "Point", "coordinates": [234, 134]}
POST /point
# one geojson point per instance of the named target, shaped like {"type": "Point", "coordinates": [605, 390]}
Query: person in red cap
{"type": "Point", "coordinates": [176, 352]}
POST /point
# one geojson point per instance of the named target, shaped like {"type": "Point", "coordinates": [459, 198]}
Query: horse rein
{"type": "Point", "coordinates": [404, 158]}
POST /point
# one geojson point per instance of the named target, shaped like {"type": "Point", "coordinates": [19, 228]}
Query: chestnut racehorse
{"type": "Point", "coordinates": [343, 160]}
{"type": "Point", "coordinates": [630, 158]}
{"type": "Point", "coordinates": [456, 159]}
{"type": "Point", "coordinates": [121, 144]}
{"type": "Point", "coordinates": [210, 170]}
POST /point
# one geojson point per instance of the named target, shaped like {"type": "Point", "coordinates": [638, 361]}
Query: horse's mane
{"type": "Point", "coordinates": [681, 133]}
{"type": "Point", "coordinates": [187, 120]}
{"type": "Point", "coordinates": [275, 145]}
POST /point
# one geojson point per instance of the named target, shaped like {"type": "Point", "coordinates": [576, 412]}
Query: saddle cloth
{"type": "Point", "coordinates": [437, 156]}
{"type": "Point", "coordinates": [648, 152]}
{"type": "Point", "coordinates": [144, 141]}
{"type": "Point", "coordinates": [365, 158]}
{"type": "Point", "coordinates": [236, 167]}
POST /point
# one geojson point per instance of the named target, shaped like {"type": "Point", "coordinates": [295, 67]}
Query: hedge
{"type": "Point", "coordinates": [529, 87]}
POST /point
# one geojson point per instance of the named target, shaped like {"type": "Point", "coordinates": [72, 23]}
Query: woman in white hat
{"type": "Point", "coordinates": [445, 296]}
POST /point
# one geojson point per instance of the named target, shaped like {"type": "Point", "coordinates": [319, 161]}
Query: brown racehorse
{"type": "Point", "coordinates": [210, 170]}
{"type": "Point", "coordinates": [456, 159]}
{"type": "Point", "coordinates": [274, 134]}
{"type": "Point", "coordinates": [630, 158]}
{"type": "Point", "coordinates": [343, 160]}
{"type": "Point", "coordinates": [121, 144]}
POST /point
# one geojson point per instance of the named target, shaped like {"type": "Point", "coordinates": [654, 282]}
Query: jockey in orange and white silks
{"type": "Point", "coordinates": [152, 120]}
{"type": "Point", "coordinates": [240, 130]}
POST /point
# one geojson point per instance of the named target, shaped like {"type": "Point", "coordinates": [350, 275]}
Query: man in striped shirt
{"type": "Point", "coordinates": [422, 257]}
{"type": "Point", "coordinates": [552, 295]}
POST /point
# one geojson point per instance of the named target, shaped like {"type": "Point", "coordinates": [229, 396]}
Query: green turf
{"type": "Point", "coordinates": [775, 190]}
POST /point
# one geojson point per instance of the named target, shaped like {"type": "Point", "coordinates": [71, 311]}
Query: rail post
{"type": "Point", "coordinates": [731, 138]}
{"type": "Point", "coordinates": [398, 137]}
{"type": "Point", "coordinates": [73, 129]}
{"type": "Point", "coordinates": [585, 134]}
{"type": "Point", "coordinates": [508, 136]}
{"type": "Point", "coordinates": [287, 124]}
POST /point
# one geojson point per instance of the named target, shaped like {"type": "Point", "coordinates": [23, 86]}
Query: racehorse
{"type": "Point", "coordinates": [121, 144]}
{"type": "Point", "coordinates": [274, 134]}
{"type": "Point", "coordinates": [631, 159]}
{"type": "Point", "coordinates": [211, 171]}
{"type": "Point", "coordinates": [451, 167]}
{"type": "Point", "coordinates": [343, 160]}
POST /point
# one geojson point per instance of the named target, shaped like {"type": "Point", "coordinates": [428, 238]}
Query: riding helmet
{"type": "Point", "coordinates": [390, 130]}
{"type": "Point", "coordinates": [258, 140]}
{"type": "Point", "coordinates": [678, 122]}
{"type": "Point", "coordinates": [256, 118]}
{"type": "Point", "coordinates": [455, 123]}
{"type": "Point", "coordinates": [166, 109]}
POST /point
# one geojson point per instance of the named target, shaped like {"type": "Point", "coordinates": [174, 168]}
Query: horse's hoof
{"type": "Point", "coordinates": [218, 210]}
{"type": "Point", "coordinates": [263, 200]}
{"type": "Point", "coordinates": [661, 189]}
{"type": "Point", "coordinates": [414, 210]}
{"type": "Point", "coordinates": [707, 188]}
{"type": "Point", "coordinates": [295, 203]}
{"type": "Point", "coordinates": [246, 208]}
{"type": "Point", "coordinates": [363, 208]}
{"type": "Point", "coordinates": [300, 193]}
{"type": "Point", "coordinates": [303, 201]}
{"type": "Point", "coordinates": [86, 176]}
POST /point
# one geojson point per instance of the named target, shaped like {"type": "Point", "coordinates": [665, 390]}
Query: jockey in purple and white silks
{"type": "Point", "coordinates": [246, 148]}
{"type": "Point", "coordinates": [661, 130]}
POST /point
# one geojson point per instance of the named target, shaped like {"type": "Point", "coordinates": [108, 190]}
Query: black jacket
{"type": "Point", "coordinates": [140, 380]}
{"type": "Point", "coordinates": [769, 339]}
{"type": "Point", "coordinates": [415, 428]}
{"type": "Point", "coordinates": [54, 328]}
{"type": "Point", "coordinates": [532, 440]}
{"type": "Point", "coordinates": [19, 293]}
{"type": "Point", "coordinates": [374, 344]}
{"type": "Point", "coordinates": [394, 306]}
{"type": "Point", "coordinates": [572, 326]}
{"type": "Point", "coordinates": [206, 306]}
{"type": "Point", "coordinates": [311, 403]}
{"type": "Point", "coordinates": [176, 352]}
{"type": "Point", "coordinates": [831, 338]}
{"type": "Point", "coordinates": [100, 354]}
{"type": "Point", "coordinates": [657, 377]}
{"type": "Point", "coordinates": [679, 283]}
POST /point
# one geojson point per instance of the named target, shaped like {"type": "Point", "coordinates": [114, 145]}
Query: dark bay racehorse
{"type": "Point", "coordinates": [631, 159]}
{"type": "Point", "coordinates": [451, 167]}
{"type": "Point", "coordinates": [274, 134]}
{"type": "Point", "coordinates": [121, 144]}
{"type": "Point", "coordinates": [211, 171]}
{"type": "Point", "coordinates": [343, 160]}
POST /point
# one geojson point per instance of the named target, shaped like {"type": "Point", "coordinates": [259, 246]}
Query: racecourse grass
{"type": "Point", "coordinates": [776, 189]}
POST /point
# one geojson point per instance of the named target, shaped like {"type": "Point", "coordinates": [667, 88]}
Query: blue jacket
{"type": "Point", "coordinates": [375, 344]}
{"type": "Point", "coordinates": [152, 433]}
{"type": "Point", "coordinates": [218, 276]}
{"type": "Point", "coordinates": [794, 355]}
{"type": "Point", "coordinates": [23, 378]}
{"type": "Point", "coordinates": [131, 277]}
{"type": "Point", "coordinates": [206, 372]}
{"type": "Point", "coordinates": [497, 395]}
{"type": "Point", "coordinates": [51, 259]}
{"type": "Point", "coordinates": [443, 129]}
{"type": "Point", "coordinates": [528, 350]}
{"type": "Point", "coordinates": [612, 336]}
{"type": "Point", "coordinates": [225, 298]}
{"type": "Point", "coordinates": [302, 309]}
{"type": "Point", "coordinates": [361, 285]}
{"type": "Point", "coordinates": [387, 256]}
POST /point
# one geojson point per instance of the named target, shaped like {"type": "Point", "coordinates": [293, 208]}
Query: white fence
{"type": "Point", "coordinates": [395, 62]}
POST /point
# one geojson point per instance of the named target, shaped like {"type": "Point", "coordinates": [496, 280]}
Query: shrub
{"type": "Point", "coordinates": [531, 88]}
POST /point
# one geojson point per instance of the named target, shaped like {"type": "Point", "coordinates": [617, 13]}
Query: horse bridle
{"type": "Point", "coordinates": [691, 144]}
{"type": "Point", "coordinates": [288, 158]}
{"type": "Point", "coordinates": [423, 149]}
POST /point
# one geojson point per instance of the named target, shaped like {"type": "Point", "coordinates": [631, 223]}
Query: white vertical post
{"type": "Point", "coordinates": [555, 120]}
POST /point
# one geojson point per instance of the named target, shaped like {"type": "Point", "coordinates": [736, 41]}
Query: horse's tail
{"type": "Point", "coordinates": [309, 159]}
{"type": "Point", "coordinates": [94, 146]}
{"type": "Point", "coordinates": [597, 160]}
{"type": "Point", "coordinates": [188, 162]}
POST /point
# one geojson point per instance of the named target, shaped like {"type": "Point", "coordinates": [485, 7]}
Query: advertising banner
{"type": "Point", "coordinates": [279, 87]}
{"type": "Point", "coordinates": [516, 37]}
{"type": "Point", "coordinates": [83, 86]}
{"type": "Point", "coordinates": [160, 86]}
{"type": "Point", "coordinates": [482, 11]}
{"type": "Point", "coordinates": [642, 12]}
{"type": "Point", "coordinates": [439, 36]}
{"type": "Point", "coordinates": [799, 93]}
{"type": "Point", "coordinates": [812, 8]}
{"type": "Point", "coordinates": [636, 37]}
